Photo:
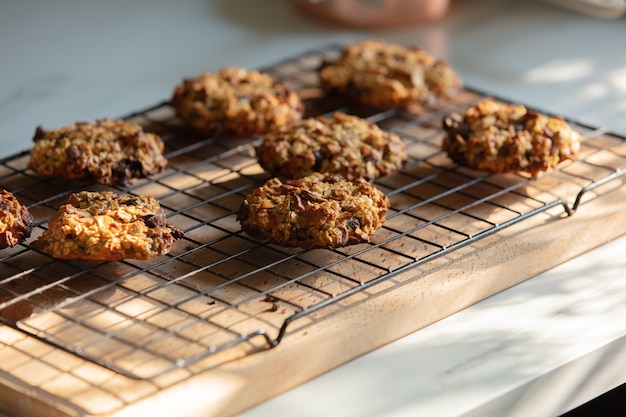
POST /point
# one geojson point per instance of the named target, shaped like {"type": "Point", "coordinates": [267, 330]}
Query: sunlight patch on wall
{"type": "Point", "coordinates": [596, 90]}
{"type": "Point", "coordinates": [559, 71]}
{"type": "Point", "coordinates": [617, 79]}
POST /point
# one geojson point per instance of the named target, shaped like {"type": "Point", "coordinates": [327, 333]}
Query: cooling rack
{"type": "Point", "coordinates": [219, 288]}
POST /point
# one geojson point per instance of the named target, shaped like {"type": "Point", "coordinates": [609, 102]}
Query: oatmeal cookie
{"type": "Point", "coordinates": [501, 137]}
{"type": "Point", "coordinates": [379, 74]}
{"type": "Point", "coordinates": [317, 211]}
{"type": "Point", "coordinates": [235, 100]}
{"type": "Point", "coordinates": [102, 226]}
{"type": "Point", "coordinates": [109, 151]}
{"type": "Point", "coordinates": [16, 222]}
{"type": "Point", "coordinates": [346, 145]}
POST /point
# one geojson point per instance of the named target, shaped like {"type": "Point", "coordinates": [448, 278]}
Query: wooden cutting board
{"type": "Point", "coordinates": [37, 379]}
{"type": "Point", "coordinates": [437, 255]}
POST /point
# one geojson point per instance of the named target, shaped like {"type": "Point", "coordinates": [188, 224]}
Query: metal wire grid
{"type": "Point", "coordinates": [218, 288]}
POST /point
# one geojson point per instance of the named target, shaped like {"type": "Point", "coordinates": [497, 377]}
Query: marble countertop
{"type": "Point", "coordinates": [539, 348]}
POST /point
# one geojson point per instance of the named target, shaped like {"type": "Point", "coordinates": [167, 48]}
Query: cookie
{"type": "Point", "coordinates": [236, 101]}
{"type": "Point", "coordinates": [346, 145]}
{"type": "Point", "coordinates": [102, 226]}
{"type": "Point", "coordinates": [379, 74]}
{"type": "Point", "coordinates": [502, 137]}
{"type": "Point", "coordinates": [108, 151]}
{"type": "Point", "coordinates": [16, 222]}
{"type": "Point", "coordinates": [317, 211]}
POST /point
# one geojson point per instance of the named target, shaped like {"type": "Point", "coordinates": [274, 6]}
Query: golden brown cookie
{"type": "Point", "coordinates": [317, 211]}
{"type": "Point", "coordinates": [235, 100]}
{"type": "Point", "coordinates": [108, 151]}
{"type": "Point", "coordinates": [102, 226]}
{"type": "Point", "coordinates": [501, 137]}
{"type": "Point", "coordinates": [16, 222]}
{"type": "Point", "coordinates": [375, 73]}
{"type": "Point", "coordinates": [342, 144]}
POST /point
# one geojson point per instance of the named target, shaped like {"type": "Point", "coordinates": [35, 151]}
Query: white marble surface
{"type": "Point", "coordinates": [539, 348]}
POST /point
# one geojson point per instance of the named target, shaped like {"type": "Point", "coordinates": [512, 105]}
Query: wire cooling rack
{"type": "Point", "coordinates": [219, 288]}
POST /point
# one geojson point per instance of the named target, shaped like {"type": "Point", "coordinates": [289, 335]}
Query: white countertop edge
{"type": "Point", "coordinates": [533, 349]}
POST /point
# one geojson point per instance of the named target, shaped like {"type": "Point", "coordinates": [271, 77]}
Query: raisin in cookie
{"type": "Point", "coordinates": [380, 74]}
{"type": "Point", "coordinates": [346, 145]}
{"type": "Point", "coordinates": [317, 211]}
{"type": "Point", "coordinates": [16, 222]}
{"type": "Point", "coordinates": [102, 226]}
{"type": "Point", "coordinates": [235, 100]}
{"type": "Point", "coordinates": [108, 151]}
{"type": "Point", "coordinates": [501, 137]}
